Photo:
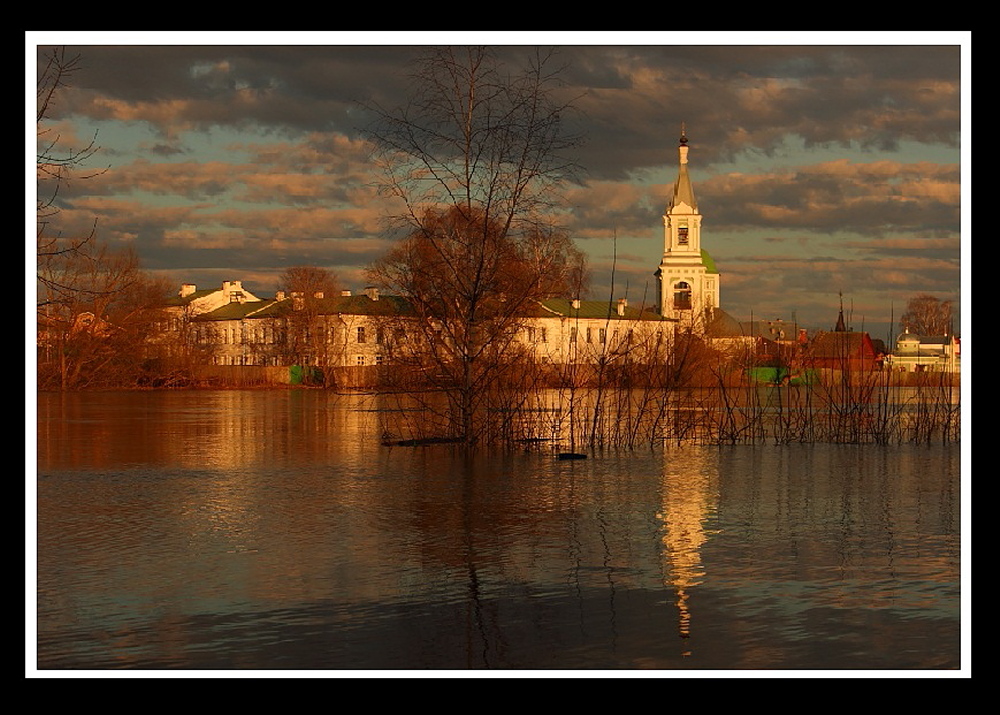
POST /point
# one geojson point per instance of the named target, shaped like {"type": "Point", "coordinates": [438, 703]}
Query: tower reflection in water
{"type": "Point", "coordinates": [688, 503]}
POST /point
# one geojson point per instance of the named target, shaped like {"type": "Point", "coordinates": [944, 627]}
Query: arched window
{"type": "Point", "coordinates": [682, 296]}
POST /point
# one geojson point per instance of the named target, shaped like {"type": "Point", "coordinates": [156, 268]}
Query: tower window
{"type": "Point", "coordinates": [682, 235]}
{"type": "Point", "coordinates": [682, 296]}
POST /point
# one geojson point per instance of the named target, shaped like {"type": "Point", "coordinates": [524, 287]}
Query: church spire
{"type": "Point", "coordinates": [840, 327]}
{"type": "Point", "coordinates": [683, 191]}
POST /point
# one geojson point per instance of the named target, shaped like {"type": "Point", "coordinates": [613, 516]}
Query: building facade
{"type": "Point", "coordinates": [289, 329]}
{"type": "Point", "coordinates": [923, 353]}
{"type": "Point", "coordinates": [369, 328]}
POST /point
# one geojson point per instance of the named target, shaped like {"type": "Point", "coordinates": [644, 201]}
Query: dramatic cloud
{"type": "Point", "coordinates": [820, 170]}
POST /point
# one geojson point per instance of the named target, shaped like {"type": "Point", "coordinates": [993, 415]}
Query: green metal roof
{"type": "Point", "coordinates": [708, 262]}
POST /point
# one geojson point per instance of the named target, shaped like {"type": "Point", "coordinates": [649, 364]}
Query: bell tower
{"type": "Point", "coordinates": [688, 280]}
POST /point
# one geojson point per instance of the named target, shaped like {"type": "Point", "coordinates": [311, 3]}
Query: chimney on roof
{"type": "Point", "coordinates": [280, 295]}
{"type": "Point", "coordinates": [318, 294]}
{"type": "Point", "coordinates": [187, 289]}
{"type": "Point", "coordinates": [345, 294]}
{"type": "Point", "coordinates": [576, 304]}
{"type": "Point", "coordinates": [372, 292]}
{"type": "Point", "coordinates": [622, 304]}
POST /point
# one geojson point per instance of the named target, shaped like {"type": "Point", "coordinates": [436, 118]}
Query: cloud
{"type": "Point", "coordinates": [869, 198]}
{"type": "Point", "coordinates": [734, 98]}
{"type": "Point", "coordinates": [253, 155]}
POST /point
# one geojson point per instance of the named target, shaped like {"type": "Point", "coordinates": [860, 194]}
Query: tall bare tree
{"type": "Point", "coordinates": [308, 281]}
{"type": "Point", "coordinates": [97, 310]}
{"type": "Point", "coordinates": [58, 163]}
{"type": "Point", "coordinates": [476, 160]}
{"type": "Point", "coordinates": [927, 315]}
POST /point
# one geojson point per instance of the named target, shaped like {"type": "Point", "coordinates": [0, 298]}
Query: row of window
{"type": "Point", "coordinates": [251, 360]}
{"type": "Point", "coordinates": [591, 335]}
{"type": "Point", "coordinates": [267, 334]}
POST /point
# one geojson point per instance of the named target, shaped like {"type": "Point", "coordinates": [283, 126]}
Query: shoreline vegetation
{"type": "Point", "coordinates": [573, 414]}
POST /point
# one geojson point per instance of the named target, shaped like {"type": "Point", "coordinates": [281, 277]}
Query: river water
{"type": "Point", "coordinates": [270, 531]}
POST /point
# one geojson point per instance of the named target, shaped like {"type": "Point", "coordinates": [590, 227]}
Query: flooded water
{"type": "Point", "coordinates": [271, 531]}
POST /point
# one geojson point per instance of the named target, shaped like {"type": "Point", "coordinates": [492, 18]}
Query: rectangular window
{"type": "Point", "coordinates": [361, 335]}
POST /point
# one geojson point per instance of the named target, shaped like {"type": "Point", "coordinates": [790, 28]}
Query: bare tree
{"type": "Point", "coordinates": [305, 338]}
{"type": "Point", "coordinates": [308, 281]}
{"type": "Point", "coordinates": [561, 267]}
{"type": "Point", "coordinates": [475, 159]}
{"type": "Point", "coordinates": [57, 165]}
{"type": "Point", "coordinates": [927, 315]}
{"type": "Point", "coordinates": [99, 331]}
{"type": "Point", "coordinates": [96, 308]}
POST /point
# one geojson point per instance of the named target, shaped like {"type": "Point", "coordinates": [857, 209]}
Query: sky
{"type": "Point", "coordinates": [830, 168]}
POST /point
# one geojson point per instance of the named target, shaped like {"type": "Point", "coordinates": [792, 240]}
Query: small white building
{"type": "Point", "coordinates": [923, 353]}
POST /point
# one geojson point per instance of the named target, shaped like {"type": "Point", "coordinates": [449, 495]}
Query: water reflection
{"type": "Point", "coordinates": [272, 530]}
{"type": "Point", "coordinates": [690, 479]}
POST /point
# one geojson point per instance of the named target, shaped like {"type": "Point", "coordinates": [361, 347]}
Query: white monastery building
{"type": "Point", "coordinates": [232, 326]}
